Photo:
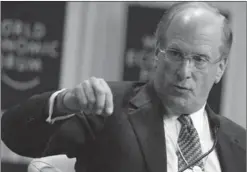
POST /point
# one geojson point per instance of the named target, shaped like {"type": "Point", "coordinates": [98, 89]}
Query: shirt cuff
{"type": "Point", "coordinates": [51, 107]}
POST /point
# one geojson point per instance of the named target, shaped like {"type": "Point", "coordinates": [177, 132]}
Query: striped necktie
{"type": "Point", "coordinates": [188, 143]}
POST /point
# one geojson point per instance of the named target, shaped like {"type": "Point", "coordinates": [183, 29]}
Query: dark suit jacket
{"type": "Point", "coordinates": [130, 140]}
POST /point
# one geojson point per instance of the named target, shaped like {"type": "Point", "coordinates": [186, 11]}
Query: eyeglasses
{"type": "Point", "coordinates": [199, 61]}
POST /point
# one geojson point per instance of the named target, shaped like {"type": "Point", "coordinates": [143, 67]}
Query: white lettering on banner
{"type": "Point", "coordinates": [148, 41]}
{"type": "Point", "coordinates": [19, 28]}
{"type": "Point", "coordinates": [23, 46]}
{"type": "Point", "coordinates": [142, 58]}
{"type": "Point", "coordinates": [21, 64]}
{"type": "Point", "coordinates": [135, 57]}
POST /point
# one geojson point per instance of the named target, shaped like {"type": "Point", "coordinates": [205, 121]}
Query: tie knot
{"type": "Point", "coordinates": [185, 119]}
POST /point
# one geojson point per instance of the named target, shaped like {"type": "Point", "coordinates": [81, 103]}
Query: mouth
{"type": "Point", "coordinates": [182, 88]}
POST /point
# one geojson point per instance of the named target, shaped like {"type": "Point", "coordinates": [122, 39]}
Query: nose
{"type": "Point", "coordinates": [184, 70]}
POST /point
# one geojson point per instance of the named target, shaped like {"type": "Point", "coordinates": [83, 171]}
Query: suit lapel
{"type": "Point", "coordinates": [227, 146]}
{"type": "Point", "coordinates": [146, 119]}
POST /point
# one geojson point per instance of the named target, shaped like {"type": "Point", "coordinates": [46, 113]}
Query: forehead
{"type": "Point", "coordinates": [195, 30]}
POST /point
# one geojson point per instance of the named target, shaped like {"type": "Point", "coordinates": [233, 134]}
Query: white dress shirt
{"type": "Point", "coordinates": [200, 121]}
{"type": "Point", "coordinates": [172, 128]}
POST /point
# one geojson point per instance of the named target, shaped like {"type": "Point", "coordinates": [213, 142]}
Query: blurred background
{"type": "Point", "coordinates": [51, 45]}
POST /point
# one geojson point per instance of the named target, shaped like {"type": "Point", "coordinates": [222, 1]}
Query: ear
{"type": "Point", "coordinates": [221, 69]}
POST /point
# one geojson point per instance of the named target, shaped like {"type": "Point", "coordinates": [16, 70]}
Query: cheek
{"type": "Point", "coordinates": [165, 73]}
{"type": "Point", "coordinates": [205, 82]}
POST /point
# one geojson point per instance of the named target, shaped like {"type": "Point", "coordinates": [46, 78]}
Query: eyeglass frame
{"type": "Point", "coordinates": [191, 59]}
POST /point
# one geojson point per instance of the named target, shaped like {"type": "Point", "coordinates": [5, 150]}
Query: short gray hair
{"type": "Point", "coordinates": [178, 7]}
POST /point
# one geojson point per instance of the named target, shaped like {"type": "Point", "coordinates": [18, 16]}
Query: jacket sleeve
{"type": "Point", "coordinates": [26, 132]}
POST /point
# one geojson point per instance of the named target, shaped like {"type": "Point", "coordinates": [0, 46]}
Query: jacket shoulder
{"type": "Point", "coordinates": [123, 91]}
{"type": "Point", "coordinates": [119, 88]}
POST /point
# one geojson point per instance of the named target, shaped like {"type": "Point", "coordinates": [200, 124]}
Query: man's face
{"type": "Point", "coordinates": [182, 87]}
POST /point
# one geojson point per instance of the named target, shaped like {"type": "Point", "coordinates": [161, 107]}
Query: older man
{"type": "Point", "coordinates": [163, 125]}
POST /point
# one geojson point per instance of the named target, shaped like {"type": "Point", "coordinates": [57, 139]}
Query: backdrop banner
{"type": "Point", "coordinates": [141, 25]}
{"type": "Point", "coordinates": [31, 45]}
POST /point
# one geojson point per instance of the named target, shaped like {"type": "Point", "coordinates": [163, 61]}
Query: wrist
{"type": "Point", "coordinates": [61, 105]}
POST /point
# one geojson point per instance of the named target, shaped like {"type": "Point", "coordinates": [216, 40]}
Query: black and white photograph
{"type": "Point", "coordinates": [123, 86]}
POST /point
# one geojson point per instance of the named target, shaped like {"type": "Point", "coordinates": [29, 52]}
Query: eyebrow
{"type": "Point", "coordinates": [177, 48]}
{"type": "Point", "coordinates": [175, 45]}
{"type": "Point", "coordinates": [204, 55]}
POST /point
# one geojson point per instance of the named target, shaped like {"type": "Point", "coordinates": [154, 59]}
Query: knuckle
{"type": "Point", "coordinates": [85, 81]}
{"type": "Point", "coordinates": [100, 91]}
{"type": "Point", "coordinates": [85, 84]}
{"type": "Point", "coordinates": [101, 80]}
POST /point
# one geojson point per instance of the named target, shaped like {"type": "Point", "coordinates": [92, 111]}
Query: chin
{"type": "Point", "coordinates": [182, 105]}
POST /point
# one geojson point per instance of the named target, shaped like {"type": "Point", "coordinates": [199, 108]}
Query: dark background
{"type": "Point", "coordinates": [52, 15]}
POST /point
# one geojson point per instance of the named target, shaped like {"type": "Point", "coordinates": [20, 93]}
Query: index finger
{"type": "Point", "coordinates": [108, 98]}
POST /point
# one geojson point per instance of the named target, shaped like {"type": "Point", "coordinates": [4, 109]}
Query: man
{"type": "Point", "coordinates": [163, 125]}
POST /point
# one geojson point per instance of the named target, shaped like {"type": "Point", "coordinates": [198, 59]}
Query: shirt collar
{"type": "Point", "coordinates": [199, 119]}
{"type": "Point", "coordinates": [196, 116]}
